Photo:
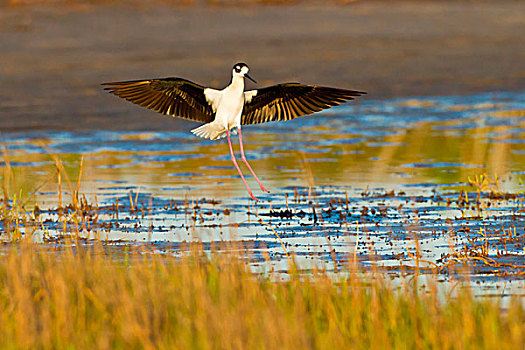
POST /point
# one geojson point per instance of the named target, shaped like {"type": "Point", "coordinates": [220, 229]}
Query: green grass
{"type": "Point", "coordinates": [98, 298]}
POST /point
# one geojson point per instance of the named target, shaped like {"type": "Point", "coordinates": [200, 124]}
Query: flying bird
{"type": "Point", "coordinates": [229, 108]}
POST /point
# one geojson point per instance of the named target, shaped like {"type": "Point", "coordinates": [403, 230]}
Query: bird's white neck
{"type": "Point", "coordinates": [237, 83]}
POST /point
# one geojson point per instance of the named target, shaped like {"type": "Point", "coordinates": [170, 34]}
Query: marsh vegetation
{"type": "Point", "coordinates": [80, 297]}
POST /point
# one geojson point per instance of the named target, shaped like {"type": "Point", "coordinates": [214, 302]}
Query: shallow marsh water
{"type": "Point", "coordinates": [379, 176]}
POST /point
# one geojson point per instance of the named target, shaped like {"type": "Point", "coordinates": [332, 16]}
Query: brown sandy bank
{"type": "Point", "coordinates": [53, 58]}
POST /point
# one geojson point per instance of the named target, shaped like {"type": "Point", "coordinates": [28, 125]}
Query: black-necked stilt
{"type": "Point", "coordinates": [223, 110]}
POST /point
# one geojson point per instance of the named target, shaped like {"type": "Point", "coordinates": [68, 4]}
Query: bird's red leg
{"type": "Point", "coordinates": [237, 166]}
{"type": "Point", "coordinates": [248, 165]}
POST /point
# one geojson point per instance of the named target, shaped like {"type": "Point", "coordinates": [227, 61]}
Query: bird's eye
{"type": "Point", "coordinates": [237, 69]}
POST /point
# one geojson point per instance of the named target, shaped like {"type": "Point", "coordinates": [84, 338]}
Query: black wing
{"type": "Point", "coordinates": [171, 96]}
{"type": "Point", "coordinates": [291, 100]}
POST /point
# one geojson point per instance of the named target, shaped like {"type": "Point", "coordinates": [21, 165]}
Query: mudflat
{"type": "Point", "coordinates": [53, 58]}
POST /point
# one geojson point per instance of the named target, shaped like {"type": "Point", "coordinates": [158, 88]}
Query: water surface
{"type": "Point", "coordinates": [377, 182]}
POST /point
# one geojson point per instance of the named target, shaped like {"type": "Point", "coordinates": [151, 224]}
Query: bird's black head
{"type": "Point", "coordinates": [238, 67]}
{"type": "Point", "coordinates": [241, 69]}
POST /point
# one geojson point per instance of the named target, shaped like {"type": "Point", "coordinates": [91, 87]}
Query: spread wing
{"type": "Point", "coordinates": [291, 100]}
{"type": "Point", "coordinates": [171, 96]}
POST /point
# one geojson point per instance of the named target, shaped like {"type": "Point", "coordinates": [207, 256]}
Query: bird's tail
{"type": "Point", "coordinates": [210, 131]}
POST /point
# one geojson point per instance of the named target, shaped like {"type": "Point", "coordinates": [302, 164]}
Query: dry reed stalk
{"type": "Point", "coordinates": [356, 245]}
{"type": "Point", "coordinates": [309, 175]}
{"type": "Point", "coordinates": [97, 297]}
{"type": "Point", "coordinates": [278, 237]}
{"type": "Point", "coordinates": [75, 196]}
{"type": "Point", "coordinates": [8, 175]}
{"type": "Point", "coordinates": [132, 207]}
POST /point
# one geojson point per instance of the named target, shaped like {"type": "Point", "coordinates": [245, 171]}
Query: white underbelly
{"type": "Point", "coordinates": [229, 111]}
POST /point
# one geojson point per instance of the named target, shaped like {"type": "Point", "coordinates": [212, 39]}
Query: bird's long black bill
{"type": "Point", "coordinates": [247, 76]}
